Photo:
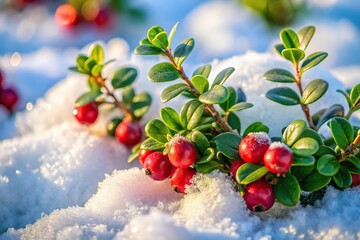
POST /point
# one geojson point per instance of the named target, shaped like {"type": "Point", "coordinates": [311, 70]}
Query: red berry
{"type": "Point", "coordinates": [157, 166]}
{"type": "Point", "coordinates": [86, 114]}
{"type": "Point", "coordinates": [180, 177]}
{"type": "Point", "coordinates": [259, 196]}
{"type": "Point", "coordinates": [182, 153]}
{"type": "Point", "coordinates": [102, 18]}
{"type": "Point", "coordinates": [278, 158]}
{"type": "Point", "coordinates": [1, 78]}
{"type": "Point", "coordinates": [8, 98]}
{"type": "Point", "coordinates": [235, 166]}
{"type": "Point", "coordinates": [128, 133]}
{"type": "Point", "coordinates": [253, 147]}
{"type": "Point", "coordinates": [355, 180]}
{"type": "Point", "coordinates": [143, 154]}
{"type": "Point", "coordinates": [66, 15]}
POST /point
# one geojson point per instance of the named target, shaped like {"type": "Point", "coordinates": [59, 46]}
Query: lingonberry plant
{"type": "Point", "coordinates": [116, 92]}
{"type": "Point", "coordinates": [206, 134]}
{"type": "Point", "coordinates": [8, 96]}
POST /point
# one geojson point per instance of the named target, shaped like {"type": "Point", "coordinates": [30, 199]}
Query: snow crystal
{"type": "Point", "coordinates": [260, 137]}
{"type": "Point", "coordinates": [275, 145]}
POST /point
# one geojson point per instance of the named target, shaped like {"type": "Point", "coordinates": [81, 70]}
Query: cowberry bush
{"type": "Point", "coordinates": [206, 135]}
{"type": "Point", "coordinates": [116, 92]}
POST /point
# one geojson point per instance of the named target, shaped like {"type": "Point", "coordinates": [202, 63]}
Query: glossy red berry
{"type": "Point", "coordinates": [128, 133]}
{"type": "Point", "coordinates": [253, 147]}
{"type": "Point", "coordinates": [259, 196]}
{"type": "Point", "coordinates": [180, 177]}
{"type": "Point", "coordinates": [157, 166]}
{"type": "Point", "coordinates": [355, 180]}
{"type": "Point", "coordinates": [103, 17]}
{"type": "Point", "coordinates": [66, 15]}
{"type": "Point", "coordinates": [86, 114]}
{"type": "Point", "coordinates": [182, 153]}
{"type": "Point", "coordinates": [278, 158]}
{"type": "Point", "coordinates": [235, 166]}
{"type": "Point", "coordinates": [143, 154]}
{"type": "Point", "coordinates": [8, 98]}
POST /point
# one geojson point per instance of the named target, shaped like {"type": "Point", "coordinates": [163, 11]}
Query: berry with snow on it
{"type": "Point", "coordinates": [129, 133]}
{"type": "Point", "coordinates": [259, 196]}
{"type": "Point", "coordinates": [143, 154]}
{"type": "Point", "coordinates": [180, 178]}
{"type": "Point", "coordinates": [278, 158]}
{"type": "Point", "coordinates": [355, 180]}
{"type": "Point", "coordinates": [86, 114]}
{"type": "Point", "coordinates": [235, 166]}
{"type": "Point", "coordinates": [157, 166]}
{"type": "Point", "coordinates": [182, 153]}
{"type": "Point", "coordinates": [253, 147]}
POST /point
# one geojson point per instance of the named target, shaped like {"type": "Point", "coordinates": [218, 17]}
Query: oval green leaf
{"type": "Point", "coordinates": [283, 95]}
{"type": "Point", "coordinates": [256, 127]}
{"type": "Point", "coordinates": [293, 55]}
{"type": "Point", "coordinates": [173, 91]}
{"type": "Point", "coordinates": [87, 98]}
{"type": "Point", "coordinates": [183, 51]}
{"type": "Point", "coordinates": [97, 53]}
{"type": "Point", "coordinates": [305, 35]}
{"type": "Point", "coordinates": [293, 132]}
{"type": "Point", "coordinates": [200, 83]}
{"type": "Point", "coordinates": [248, 173]}
{"type": "Point", "coordinates": [303, 161]}
{"type": "Point", "coordinates": [200, 140]}
{"type": "Point", "coordinates": [343, 178]}
{"type": "Point", "coordinates": [151, 144]}
{"type": "Point", "coordinates": [279, 75]}
{"type": "Point", "coordinates": [163, 72]}
{"type": "Point", "coordinates": [157, 130]}
{"type": "Point", "coordinates": [141, 104]}
{"type": "Point", "coordinates": [240, 106]}
{"type": "Point", "coordinates": [191, 114]}
{"type": "Point", "coordinates": [328, 165]}
{"type": "Point", "coordinates": [123, 77]}
{"type": "Point", "coordinates": [333, 111]}
{"type": "Point", "coordinates": [342, 131]}
{"type": "Point", "coordinates": [355, 95]}
{"type": "Point", "coordinates": [287, 190]}
{"type": "Point", "coordinates": [289, 38]}
{"type": "Point", "coordinates": [223, 76]}
{"type": "Point", "coordinates": [216, 95]}
{"type": "Point", "coordinates": [314, 181]}
{"type": "Point", "coordinates": [228, 144]}
{"type": "Point", "coordinates": [203, 71]}
{"type": "Point", "coordinates": [148, 50]}
{"type": "Point", "coordinates": [305, 147]}
{"type": "Point", "coordinates": [171, 119]}
{"type": "Point", "coordinates": [314, 91]}
{"type": "Point", "coordinates": [312, 60]}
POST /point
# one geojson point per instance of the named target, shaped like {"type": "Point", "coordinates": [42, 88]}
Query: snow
{"type": "Point", "coordinates": [260, 137]}
{"type": "Point", "coordinates": [275, 145]}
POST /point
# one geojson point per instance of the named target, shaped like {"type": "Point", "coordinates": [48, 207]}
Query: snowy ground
{"type": "Point", "coordinates": [52, 170]}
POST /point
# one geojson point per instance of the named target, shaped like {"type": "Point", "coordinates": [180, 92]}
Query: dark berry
{"type": "Point", "coordinates": [278, 158]}
{"type": "Point", "coordinates": [129, 133]}
{"type": "Point", "coordinates": [182, 153]}
{"type": "Point", "coordinates": [1, 78]}
{"type": "Point", "coordinates": [180, 177]}
{"type": "Point", "coordinates": [235, 166]}
{"type": "Point", "coordinates": [112, 125]}
{"type": "Point", "coordinates": [355, 180]}
{"type": "Point", "coordinates": [259, 196]}
{"type": "Point", "coordinates": [253, 147]}
{"type": "Point", "coordinates": [103, 17]}
{"type": "Point", "coordinates": [143, 154]}
{"type": "Point", "coordinates": [157, 166]}
{"type": "Point", "coordinates": [8, 98]}
{"type": "Point", "coordinates": [86, 114]}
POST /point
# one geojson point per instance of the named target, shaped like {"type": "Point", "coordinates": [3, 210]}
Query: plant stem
{"type": "Point", "coordinates": [209, 108]}
{"type": "Point", "coordinates": [304, 107]}
{"type": "Point", "coordinates": [351, 149]}
{"type": "Point", "coordinates": [129, 116]}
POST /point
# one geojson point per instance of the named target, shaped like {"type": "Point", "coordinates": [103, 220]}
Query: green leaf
{"type": "Point", "coordinates": [207, 167]}
{"type": "Point", "coordinates": [346, 95]}
{"type": "Point", "coordinates": [305, 35]}
{"type": "Point", "coordinates": [207, 156]}
{"type": "Point", "coordinates": [314, 91]}
{"type": "Point", "coordinates": [200, 83]}
{"type": "Point", "coordinates": [325, 150]}
{"type": "Point", "coordinates": [191, 114]}
{"type": "Point", "coordinates": [80, 62]}
{"type": "Point", "coordinates": [283, 95]}
{"type": "Point", "coordinates": [301, 171]}
{"type": "Point", "coordinates": [123, 77]}
{"type": "Point", "coordinates": [293, 132]}
{"type": "Point", "coordinates": [76, 69]}
{"type": "Point", "coordinates": [87, 98]}
{"type": "Point", "coordinates": [93, 85]}
{"type": "Point", "coordinates": [240, 106]}
{"type": "Point", "coordinates": [231, 101]}
{"type": "Point", "coordinates": [112, 125]}
{"type": "Point", "coordinates": [287, 190]}
{"type": "Point", "coordinates": [153, 32]}
{"type": "Point", "coordinates": [151, 144]}
{"type": "Point", "coordinates": [141, 104]}
{"type": "Point", "coordinates": [328, 165]}
{"type": "Point", "coordinates": [163, 72]}
{"type": "Point", "coordinates": [303, 161]}
{"type": "Point", "coordinates": [316, 116]}
{"type": "Point", "coordinates": [96, 70]}
{"type": "Point", "coordinates": [333, 111]}
{"type": "Point", "coordinates": [173, 91]}
{"type": "Point", "coordinates": [160, 40]}
{"type": "Point", "coordinates": [355, 95]}
{"type": "Point", "coordinates": [234, 122]}
{"type": "Point", "coordinates": [279, 48]}
{"type": "Point", "coordinates": [308, 132]}
{"type": "Point", "coordinates": [171, 119]}
{"type": "Point", "coordinates": [89, 64]}
{"type": "Point", "coordinates": [305, 147]}
{"type": "Point", "coordinates": [343, 178]}
{"type": "Point", "coordinates": [217, 94]}
{"type": "Point", "coordinates": [203, 71]}
{"type": "Point", "coordinates": [145, 41]}
{"type": "Point", "coordinates": [200, 140]}
{"type": "Point", "coordinates": [279, 75]}
{"type": "Point", "coordinates": [256, 127]}
{"type": "Point", "coordinates": [97, 53]}
{"type": "Point", "coordinates": [172, 33]}
{"type": "Point", "coordinates": [289, 38]}
{"type": "Point", "coordinates": [294, 55]}
{"type": "Point", "coordinates": [128, 94]}
{"type": "Point", "coordinates": [248, 173]}
{"type": "Point", "coordinates": [354, 160]}
{"type": "Point", "coordinates": [228, 143]}
{"type": "Point", "coordinates": [183, 51]}
{"type": "Point", "coordinates": [157, 130]}
{"type": "Point", "coordinates": [314, 181]}
{"type": "Point", "coordinates": [223, 76]}
{"type": "Point", "coordinates": [312, 60]}
{"type": "Point", "coordinates": [342, 132]}
{"type": "Point", "coordinates": [148, 50]}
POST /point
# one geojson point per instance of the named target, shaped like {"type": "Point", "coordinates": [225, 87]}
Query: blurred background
{"type": "Point", "coordinates": [40, 38]}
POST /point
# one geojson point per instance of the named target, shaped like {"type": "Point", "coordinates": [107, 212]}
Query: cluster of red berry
{"type": "Point", "coordinates": [176, 165]}
{"type": "Point", "coordinates": [70, 16]}
{"type": "Point", "coordinates": [8, 96]}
